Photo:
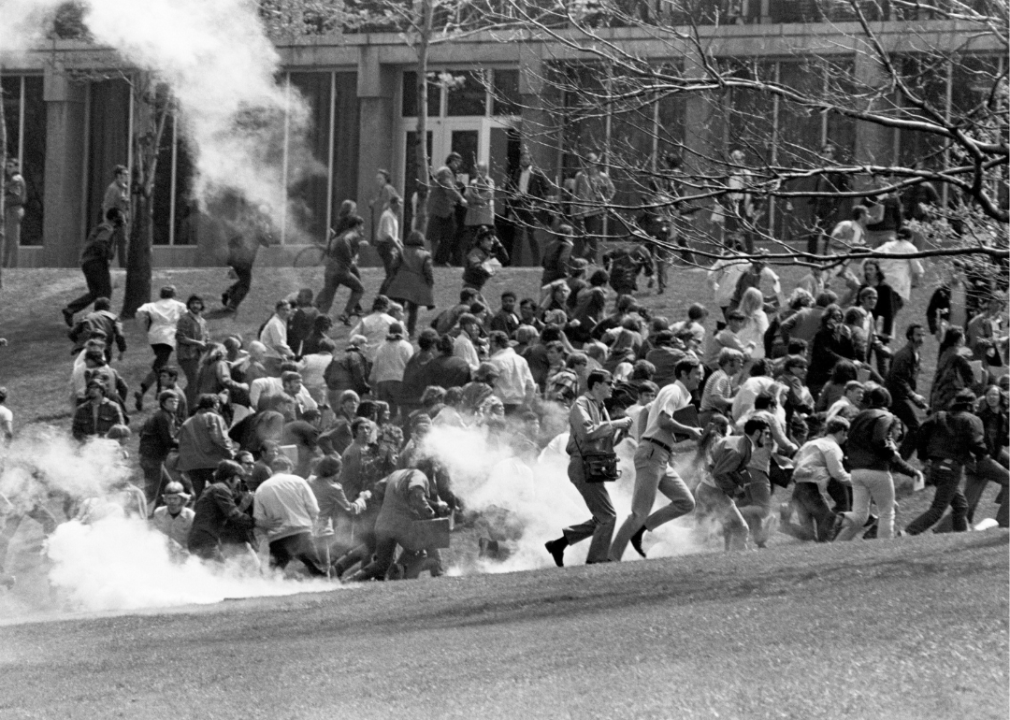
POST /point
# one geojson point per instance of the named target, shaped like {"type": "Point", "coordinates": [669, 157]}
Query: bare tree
{"type": "Point", "coordinates": [912, 95]}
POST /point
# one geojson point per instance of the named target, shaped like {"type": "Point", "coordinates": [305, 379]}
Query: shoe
{"type": "Point", "coordinates": [224, 299]}
{"type": "Point", "coordinates": [345, 320]}
{"type": "Point", "coordinates": [557, 550]}
{"type": "Point", "coordinates": [68, 317]}
{"type": "Point", "coordinates": [836, 527]}
{"type": "Point", "coordinates": [138, 400]}
{"type": "Point", "coordinates": [636, 540]}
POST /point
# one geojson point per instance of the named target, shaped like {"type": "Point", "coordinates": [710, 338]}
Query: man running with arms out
{"type": "Point", "coordinates": [652, 462]}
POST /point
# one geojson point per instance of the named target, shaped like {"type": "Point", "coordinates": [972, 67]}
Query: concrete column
{"type": "Point", "coordinates": [63, 227]}
{"type": "Point", "coordinates": [874, 143]}
{"type": "Point", "coordinates": [376, 88]}
{"type": "Point", "coordinates": [539, 132]}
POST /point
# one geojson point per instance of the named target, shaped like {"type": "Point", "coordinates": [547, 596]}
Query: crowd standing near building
{"type": "Point", "coordinates": [776, 417]}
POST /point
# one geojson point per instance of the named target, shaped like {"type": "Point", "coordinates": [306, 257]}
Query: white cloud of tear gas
{"type": "Point", "coordinates": [221, 69]}
{"type": "Point", "coordinates": [121, 564]}
{"type": "Point", "coordinates": [539, 498]}
{"type": "Point", "coordinates": [114, 563]}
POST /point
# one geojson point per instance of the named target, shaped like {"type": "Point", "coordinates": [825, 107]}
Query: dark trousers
{"type": "Point", "coordinates": [411, 308]}
{"type": "Point", "coordinates": [976, 478]}
{"type": "Point", "coordinates": [200, 478]}
{"type": "Point", "coordinates": [385, 550]}
{"type": "Point", "coordinates": [600, 527]}
{"type": "Point", "coordinates": [905, 411]}
{"type": "Point", "coordinates": [441, 237]}
{"type": "Point", "coordinates": [811, 502]}
{"type": "Point", "coordinates": [237, 291]}
{"type": "Point", "coordinates": [296, 547]}
{"type": "Point", "coordinates": [155, 479]}
{"type": "Point", "coordinates": [946, 476]}
{"type": "Point", "coordinates": [96, 275]}
{"type": "Point", "coordinates": [524, 234]}
{"type": "Point", "coordinates": [334, 277]}
{"type": "Point", "coordinates": [162, 353]}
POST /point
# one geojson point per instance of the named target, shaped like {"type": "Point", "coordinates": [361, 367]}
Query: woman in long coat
{"type": "Point", "coordinates": [413, 279]}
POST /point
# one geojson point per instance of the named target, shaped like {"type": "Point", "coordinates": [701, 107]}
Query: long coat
{"type": "Point", "coordinates": [414, 279]}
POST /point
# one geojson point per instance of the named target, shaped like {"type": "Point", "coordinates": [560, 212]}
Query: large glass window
{"type": "Point", "coordinates": [25, 118]}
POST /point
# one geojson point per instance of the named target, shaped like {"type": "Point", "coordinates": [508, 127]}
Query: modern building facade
{"type": "Point", "coordinates": [69, 117]}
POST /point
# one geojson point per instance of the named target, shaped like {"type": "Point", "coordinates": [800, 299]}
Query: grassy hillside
{"type": "Point", "coordinates": [901, 629]}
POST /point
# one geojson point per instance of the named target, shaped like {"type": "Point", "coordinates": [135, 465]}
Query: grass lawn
{"type": "Point", "coordinates": [903, 629]}
{"type": "Point", "coordinates": [911, 628]}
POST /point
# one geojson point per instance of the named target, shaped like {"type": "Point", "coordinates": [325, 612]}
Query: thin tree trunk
{"type": "Point", "coordinates": [152, 112]}
{"type": "Point", "coordinates": [3, 166]}
{"type": "Point", "coordinates": [421, 137]}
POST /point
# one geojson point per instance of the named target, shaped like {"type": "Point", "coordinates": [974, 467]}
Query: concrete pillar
{"type": "Point", "coordinates": [539, 132]}
{"type": "Point", "coordinates": [376, 88]}
{"type": "Point", "coordinates": [874, 143]}
{"type": "Point", "coordinates": [63, 228]}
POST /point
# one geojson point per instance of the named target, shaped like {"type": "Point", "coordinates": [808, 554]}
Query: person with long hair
{"type": "Point", "coordinates": [888, 302]}
{"type": "Point", "coordinates": [953, 370]}
{"type": "Point", "coordinates": [831, 344]}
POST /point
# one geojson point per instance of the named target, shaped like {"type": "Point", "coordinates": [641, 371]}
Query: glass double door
{"type": "Point", "coordinates": [476, 140]}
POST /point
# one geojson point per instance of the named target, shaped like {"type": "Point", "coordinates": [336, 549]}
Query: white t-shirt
{"type": "Point", "coordinates": [670, 399]}
{"type": "Point", "coordinates": [163, 315]}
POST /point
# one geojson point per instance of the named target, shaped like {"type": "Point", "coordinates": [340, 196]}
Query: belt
{"type": "Point", "coordinates": [663, 445]}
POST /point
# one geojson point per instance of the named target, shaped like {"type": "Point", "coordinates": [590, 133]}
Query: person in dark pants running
{"type": "Point", "coordinates": [948, 440]}
{"type": "Point", "coordinates": [242, 253]}
{"type": "Point", "coordinates": [99, 249]}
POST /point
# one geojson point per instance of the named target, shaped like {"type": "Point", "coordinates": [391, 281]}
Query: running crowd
{"type": "Point", "coordinates": [319, 452]}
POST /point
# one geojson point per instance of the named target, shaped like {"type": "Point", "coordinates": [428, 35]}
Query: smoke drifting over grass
{"type": "Point", "coordinates": [113, 563]}
{"type": "Point", "coordinates": [539, 499]}
{"type": "Point", "coordinates": [220, 67]}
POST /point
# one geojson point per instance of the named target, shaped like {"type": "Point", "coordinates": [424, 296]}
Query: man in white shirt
{"type": "Point", "coordinates": [901, 274]}
{"type": "Point", "coordinates": [463, 346]}
{"type": "Point", "coordinates": [652, 462]}
{"type": "Point", "coordinates": [275, 337]}
{"type": "Point", "coordinates": [287, 506]}
{"type": "Point", "coordinates": [174, 519]}
{"type": "Point", "coordinates": [758, 383]}
{"type": "Point", "coordinates": [159, 318]}
{"type": "Point", "coordinates": [374, 327]}
{"type": "Point", "coordinates": [514, 386]}
{"type": "Point", "coordinates": [387, 239]}
{"type": "Point", "coordinates": [817, 462]}
{"type": "Point", "coordinates": [849, 235]}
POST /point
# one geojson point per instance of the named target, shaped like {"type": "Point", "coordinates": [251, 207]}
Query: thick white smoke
{"type": "Point", "coordinates": [121, 564]}
{"type": "Point", "coordinates": [110, 562]}
{"type": "Point", "coordinates": [539, 498]}
{"type": "Point", "coordinates": [220, 67]}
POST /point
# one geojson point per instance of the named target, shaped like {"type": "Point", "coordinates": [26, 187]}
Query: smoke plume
{"type": "Point", "coordinates": [529, 500]}
{"type": "Point", "coordinates": [220, 67]}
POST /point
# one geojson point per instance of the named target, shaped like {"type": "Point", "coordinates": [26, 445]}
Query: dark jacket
{"type": "Point", "coordinates": [557, 254]}
{"type": "Point", "coordinates": [870, 447]}
{"type": "Point", "coordinates": [159, 436]}
{"type": "Point", "coordinates": [99, 320]}
{"type": "Point", "coordinates": [902, 380]}
{"type": "Point", "coordinates": [413, 279]}
{"type": "Point", "coordinates": [342, 251]}
{"type": "Point", "coordinates": [216, 510]}
{"type": "Point", "coordinates": [448, 371]}
{"type": "Point", "coordinates": [91, 422]}
{"type": "Point", "coordinates": [956, 436]}
{"type": "Point", "coordinates": [101, 243]}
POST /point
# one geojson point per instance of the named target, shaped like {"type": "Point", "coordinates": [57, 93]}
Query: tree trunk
{"type": "Point", "coordinates": [151, 114]}
{"type": "Point", "coordinates": [3, 168]}
{"type": "Point", "coordinates": [421, 137]}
